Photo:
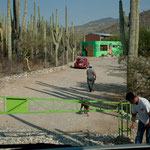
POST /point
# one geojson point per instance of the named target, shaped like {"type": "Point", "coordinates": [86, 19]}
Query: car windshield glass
{"type": "Point", "coordinates": [80, 59]}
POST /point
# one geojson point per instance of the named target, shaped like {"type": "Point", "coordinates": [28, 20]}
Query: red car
{"type": "Point", "coordinates": [81, 62]}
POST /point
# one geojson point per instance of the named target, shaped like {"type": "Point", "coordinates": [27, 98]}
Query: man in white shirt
{"type": "Point", "coordinates": [140, 106]}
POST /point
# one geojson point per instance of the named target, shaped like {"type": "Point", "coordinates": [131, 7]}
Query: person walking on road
{"type": "Point", "coordinates": [91, 77]}
{"type": "Point", "coordinates": [140, 106]}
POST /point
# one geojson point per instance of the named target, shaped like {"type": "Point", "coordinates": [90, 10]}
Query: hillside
{"type": "Point", "coordinates": [110, 25]}
{"type": "Point", "coordinates": [96, 26]}
{"type": "Point", "coordinates": [144, 22]}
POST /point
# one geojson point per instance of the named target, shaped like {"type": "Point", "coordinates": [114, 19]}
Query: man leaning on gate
{"type": "Point", "coordinates": [140, 106]}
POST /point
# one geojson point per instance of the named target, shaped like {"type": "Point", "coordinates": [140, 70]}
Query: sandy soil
{"type": "Point", "coordinates": [69, 84]}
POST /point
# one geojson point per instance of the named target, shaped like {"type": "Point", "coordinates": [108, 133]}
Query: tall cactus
{"type": "Point", "coordinates": [56, 36]}
{"type": "Point", "coordinates": [64, 48]}
{"type": "Point", "coordinates": [2, 33]}
{"type": "Point", "coordinates": [16, 14]}
{"type": "Point", "coordinates": [9, 45]}
{"type": "Point", "coordinates": [35, 21]}
{"type": "Point", "coordinates": [132, 29]}
{"type": "Point", "coordinates": [51, 42]}
{"type": "Point", "coordinates": [16, 25]}
{"type": "Point", "coordinates": [73, 43]}
{"type": "Point", "coordinates": [44, 37]}
{"type": "Point", "coordinates": [133, 42]}
{"type": "Point", "coordinates": [39, 21]}
{"type": "Point", "coordinates": [67, 36]}
{"type": "Point", "coordinates": [35, 31]}
{"type": "Point", "coordinates": [137, 29]}
{"type": "Point", "coordinates": [6, 34]}
{"type": "Point", "coordinates": [31, 32]}
{"type": "Point", "coordinates": [122, 27]}
{"type": "Point", "coordinates": [133, 25]}
{"type": "Point", "coordinates": [24, 20]}
{"type": "Point", "coordinates": [0, 19]}
{"type": "Point", "coordinates": [28, 27]}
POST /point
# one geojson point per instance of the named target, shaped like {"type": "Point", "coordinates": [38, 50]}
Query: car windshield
{"type": "Point", "coordinates": [80, 59]}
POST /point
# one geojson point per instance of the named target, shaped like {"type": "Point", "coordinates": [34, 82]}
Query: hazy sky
{"type": "Point", "coordinates": [79, 11]}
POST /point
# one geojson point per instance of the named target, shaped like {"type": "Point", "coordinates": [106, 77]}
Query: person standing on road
{"type": "Point", "coordinates": [142, 107]}
{"type": "Point", "coordinates": [91, 77]}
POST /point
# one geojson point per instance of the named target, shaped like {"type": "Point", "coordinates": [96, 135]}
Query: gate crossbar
{"type": "Point", "coordinates": [27, 105]}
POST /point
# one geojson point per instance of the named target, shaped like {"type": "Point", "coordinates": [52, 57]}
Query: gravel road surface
{"type": "Point", "coordinates": [69, 84]}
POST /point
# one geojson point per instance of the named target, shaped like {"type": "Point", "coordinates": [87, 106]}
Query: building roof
{"type": "Point", "coordinates": [102, 34]}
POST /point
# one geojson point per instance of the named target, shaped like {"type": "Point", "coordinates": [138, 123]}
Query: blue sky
{"type": "Point", "coordinates": [79, 11]}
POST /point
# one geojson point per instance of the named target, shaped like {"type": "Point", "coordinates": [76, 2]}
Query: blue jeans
{"type": "Point", "coordinates": [140, 133]}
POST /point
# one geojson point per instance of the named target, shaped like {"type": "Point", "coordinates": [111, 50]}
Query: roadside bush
{"type": "Point", "coordinates": [140, 78]}
{"type": "Point", "coordinates": [144, 42]}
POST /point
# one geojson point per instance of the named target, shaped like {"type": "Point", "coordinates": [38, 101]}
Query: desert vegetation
{"type": "Point", "coordinates": [135, 41]}
{"type": "Point", "coordinates": [34, 44]}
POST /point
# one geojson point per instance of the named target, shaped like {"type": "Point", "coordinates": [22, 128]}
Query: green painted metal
{"type": "Point", "coordinates": [130, 121]}
{"type": "Point", "coordinates": [127, 119]}
{"type": "Point", "coordinates": [121, 127]}
{"type": "Point", "coordinates": [116, 47]}
{"type": "Point", "coordinates": [26, 105]}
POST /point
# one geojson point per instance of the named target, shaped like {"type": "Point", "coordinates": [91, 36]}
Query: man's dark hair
{"type": "Point", "coordinates": [130, 97]}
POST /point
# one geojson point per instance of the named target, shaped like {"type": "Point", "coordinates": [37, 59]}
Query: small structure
{"type": "Point", "coordinates": [101, 48]}
{"type": "Point", "coordinates": [95, 45]}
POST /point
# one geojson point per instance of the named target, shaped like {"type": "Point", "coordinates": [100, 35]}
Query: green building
{"type": "Point", "coordinates": [101, 48]}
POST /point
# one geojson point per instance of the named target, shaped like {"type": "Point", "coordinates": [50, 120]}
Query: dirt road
{"type": "Point", "coordinates": [69, 84]}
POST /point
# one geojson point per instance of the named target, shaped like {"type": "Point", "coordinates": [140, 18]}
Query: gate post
{"type": "Point", "coordinates": [127, 129]}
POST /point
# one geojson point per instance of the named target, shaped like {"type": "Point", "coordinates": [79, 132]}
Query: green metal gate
{"type": "Point", "coordinates": [26, 105]}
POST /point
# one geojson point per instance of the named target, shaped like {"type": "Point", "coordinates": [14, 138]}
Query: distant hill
{"type": "Point", "coordinates": [110, 25]}
{"type": "Point", "coordinates": [96, 26]}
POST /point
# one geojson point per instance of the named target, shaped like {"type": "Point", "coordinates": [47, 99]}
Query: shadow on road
{"type": "Point", "coordinates": [109, 91]}
{"type": "Point", "coordinates": [81, 138]}
{"type": "Point", "coordinates": [77, 93]}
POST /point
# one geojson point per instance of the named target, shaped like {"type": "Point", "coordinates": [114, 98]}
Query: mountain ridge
{"type": "Point", "coordinates": [110, 25]}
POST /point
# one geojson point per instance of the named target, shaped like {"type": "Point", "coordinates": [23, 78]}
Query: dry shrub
{"type": "Point", "coordinates": [140, 78]}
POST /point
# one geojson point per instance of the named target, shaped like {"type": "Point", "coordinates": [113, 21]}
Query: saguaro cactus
{"type": "Point", "coordinates": [35, 31]}
{"type": "Point", "coordinates": [44, 37]}
{"type": "Point", "coordinates": [9, 45]}
{"type": "Point", "coordinates": [122, 27]}
{"type": "Point", "coordinates": [35, 20]}
{"type": "Point", "coordinates": [16, 25]}
{"type": "Point", "coordinates": [6, 34]}
{"type": "Point", "coordinates": [31, 33]}
{"type": "Point", "coordinates": [24, 20]}
{"type": "Point", "coordinates": [56, 35]}
{"type": "Point", "coordinates": [137, 29]}
{"type": "Point", "coordinates": [16, 14]}
{"type": "Point", "coordinates": [39, 21]}
{"type": "Point", "coordinates": [67, 36]}
{"type": "Point", "coordinates": [132, 29]}
{"type": "Point", "coordinates": [2, 35]}
{"type": "Point", "coordinates": [133, 42]}
{"type": "Point", "coordinates": [133, 25]}
{"type": "Point", "coordinates": [73, 43]}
